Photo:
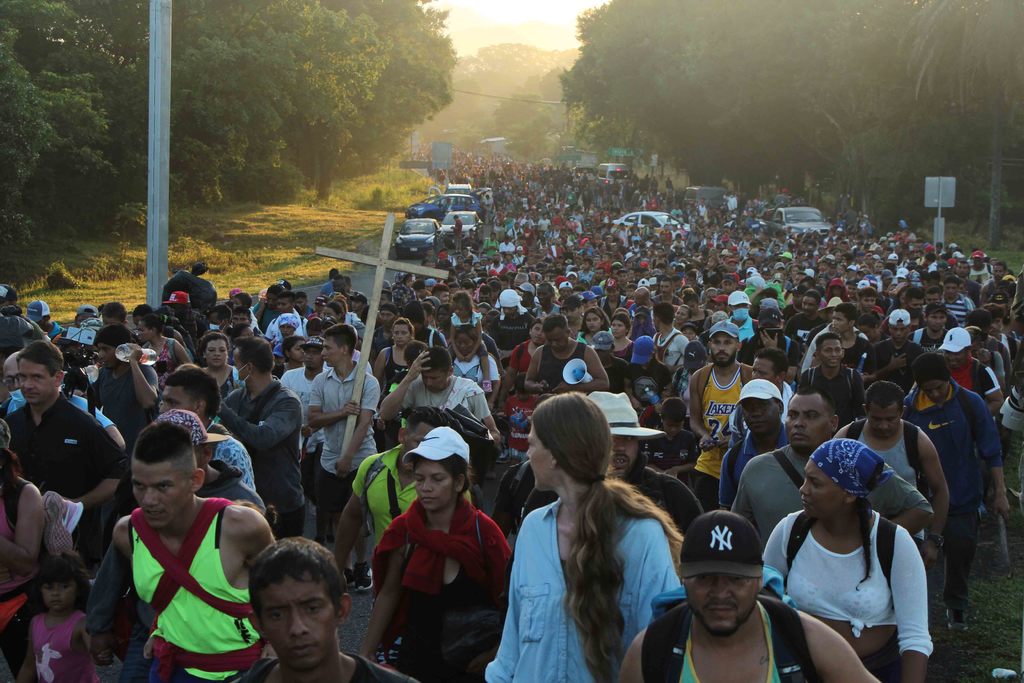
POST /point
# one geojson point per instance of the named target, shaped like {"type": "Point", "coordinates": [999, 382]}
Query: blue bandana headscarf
{"type": "Point", "coordinates": [851, 465]}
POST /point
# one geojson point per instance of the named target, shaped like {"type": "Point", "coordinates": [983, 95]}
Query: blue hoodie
{"type": "Point", "coordinates": [958, 444]}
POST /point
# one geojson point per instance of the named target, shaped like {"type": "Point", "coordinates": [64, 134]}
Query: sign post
{"type": "Point", "coordinates": [157, 194]}
{"type": "Point", "coordinates": [939, 193]}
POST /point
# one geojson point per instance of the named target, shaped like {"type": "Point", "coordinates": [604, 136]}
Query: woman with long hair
{"type": "Point", "coordinates": [587, 565]}
{"type": "Point", "coordinates": [441, 572]}
{"type": "Point", "coordinates": [622, 345]}
{"type": "Point", "coordinates": [21, 527]}
{"type": "Point", "coordinates": [594, 320]}
{"type": "Point", "coordinates": [213, 351]}
{"type": "Point", "coordinates": [836, 571]}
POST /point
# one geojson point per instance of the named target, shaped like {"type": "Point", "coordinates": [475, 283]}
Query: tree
{"type": "Point", "coordinates": [973, 49]}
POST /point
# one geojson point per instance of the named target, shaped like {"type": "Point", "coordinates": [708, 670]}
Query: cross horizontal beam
{"type": "Point", "coordinates": [375, 261]}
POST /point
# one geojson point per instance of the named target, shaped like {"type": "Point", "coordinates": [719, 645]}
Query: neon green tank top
{"type": "Point", "coordinates": [178, 623]}
{"type": "Point", "coordinates": [690, 676]}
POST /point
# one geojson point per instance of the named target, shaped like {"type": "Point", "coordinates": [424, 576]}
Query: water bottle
{"type": "Point", "coordinates": [651, 397]}
{"type": "Point", "coordinates": [124, 354]}
{"type": "Point", "coordinates": [92, 373]}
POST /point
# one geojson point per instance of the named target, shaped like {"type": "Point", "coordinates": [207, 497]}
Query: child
{"type": "Point", "coordinates": [519, 407]}
{"type": "Point", "coordinates": [464, 315]}
{"type": "Point", "coordinates": [57, 637]}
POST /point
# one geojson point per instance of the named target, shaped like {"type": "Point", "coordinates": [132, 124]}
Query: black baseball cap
{"type": "Point", "coordinates": [721, 542]}
{"type": "Point", "coordinates": [313, 343]}
{"type": "Point", "coordinates": [934, 308]}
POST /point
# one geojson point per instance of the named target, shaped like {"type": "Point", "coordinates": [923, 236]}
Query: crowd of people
{"type": "Point", "coordinates": [697, 450]}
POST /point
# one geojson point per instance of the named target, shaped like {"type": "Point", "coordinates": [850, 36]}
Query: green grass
{"type": "Point", "coordinates": [1011, 249]}
{"type": "Point", "coordinates": [244, 246]}
{"type": "Point", "coordinates": [247, 246]}
{"type": "Point", "coordinates": [993, 638]}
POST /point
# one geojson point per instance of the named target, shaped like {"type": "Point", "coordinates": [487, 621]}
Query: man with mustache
{"type": "Point", "coordinates": [725, 629]}
{"type": "Point", "coordinates": [769, 487]}
{"type": "Point", "coordinates": [714, 393]}
{"type": "Point", "coordinates": [630, 465]}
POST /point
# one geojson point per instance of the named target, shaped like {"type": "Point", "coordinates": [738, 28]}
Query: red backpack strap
{"type": "Point", "coordinates": [176, 567]}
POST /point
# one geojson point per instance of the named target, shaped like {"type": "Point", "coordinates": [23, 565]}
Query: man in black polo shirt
{"type": "Point", "coordinates": [895, 355]}
{"type": "Point", "coordinates": [62, 448]}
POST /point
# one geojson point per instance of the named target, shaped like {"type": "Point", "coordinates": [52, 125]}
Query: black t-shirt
{"type": "Point", "coordinates": [846, 390]}
{"type": "Point", "coordinates": [923, 336]}
{"type": "Point", "coordinates": [648, 380]}
{"type": "Point", "coordinates": [800, 326]}
{"type": "Point", "coordinates": [886, 350]}
{"type": "Point", "coordinates": [617, 375]}
{"type": "Point", "coordinates": [365, 672]}
{"type": "Point", "coordinates": [663, 452]}
{"type": "Point", "coordinates": [860, 356]}
{"type": "Point", "coordinates": [753, 345]}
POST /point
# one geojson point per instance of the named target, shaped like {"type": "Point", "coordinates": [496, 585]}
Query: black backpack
{"type": "Point", "coordinates": [664, 648]}
{"type": "Point", "coordinates": [885, 543]}
{"type": "Point", "coordinates": [910, 432]}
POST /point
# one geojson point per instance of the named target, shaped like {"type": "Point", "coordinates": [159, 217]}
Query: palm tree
{"type": "Point", "coordinates": [973, 47]}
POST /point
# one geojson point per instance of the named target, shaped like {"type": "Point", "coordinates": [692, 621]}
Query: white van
{"type": "Point", "coordinates": [610, 173]}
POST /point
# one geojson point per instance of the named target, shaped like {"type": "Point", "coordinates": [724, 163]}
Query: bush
{"type": "Point", "coordinates": [59, 277]}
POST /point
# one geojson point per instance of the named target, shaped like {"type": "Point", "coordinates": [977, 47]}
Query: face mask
{"type": "Point", "coordinates": [740, 315]}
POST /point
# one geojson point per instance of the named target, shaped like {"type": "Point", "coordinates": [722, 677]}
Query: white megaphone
{"type": "Point", "coordinates": [575, 371]}
{"type": "Point", "coordinates": [1012, 411]}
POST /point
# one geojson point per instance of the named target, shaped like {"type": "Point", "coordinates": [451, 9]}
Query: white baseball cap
{"type": "Point", "coordinates": [893, 257]}
{"type": "Point", "coordinates": [440, 443]}
{"type": "Point", "coordinates": [902, 273]}
{"type": "Point", "coordinates": [957, 339]}
{"type": "Point", "coordinates": [899, 317]}
{"type": "Point", "coordinates": [739, 298]}
{"type": "Point", "coordinates": [762, 389]}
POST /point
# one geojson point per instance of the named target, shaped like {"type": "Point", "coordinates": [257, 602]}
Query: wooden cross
{"type": "Point", "coordinates": [381, 263]}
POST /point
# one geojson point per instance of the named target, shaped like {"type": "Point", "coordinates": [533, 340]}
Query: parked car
{"type": "Point", "coordinates": [416, 238]}
{"type": "Point", "coordinates": [654, 219]}
{"type": "Point", "coordinates": [799, 220]}
{"type": "Point", "coordinates": [469, 221]}
{"type": "Point", "coordinates": [714, 197]}
{"type": "Point", "coordinates": [437, 206]}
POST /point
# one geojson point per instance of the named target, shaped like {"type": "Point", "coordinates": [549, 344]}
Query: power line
{"type": "Point", "coordinates": [509, 99]}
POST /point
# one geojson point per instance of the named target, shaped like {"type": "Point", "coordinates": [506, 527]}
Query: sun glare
{"type": "Point", "coordinates": [519, 11]}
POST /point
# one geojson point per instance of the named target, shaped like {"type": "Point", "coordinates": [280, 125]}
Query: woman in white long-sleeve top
{"type": "Point", "coordinates": [860, 574]}
{"type": "Point", "coordinates": [587, 566]}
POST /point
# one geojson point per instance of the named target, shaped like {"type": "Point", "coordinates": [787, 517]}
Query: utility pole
{"type": "Point", "coordinates": [159, 148]}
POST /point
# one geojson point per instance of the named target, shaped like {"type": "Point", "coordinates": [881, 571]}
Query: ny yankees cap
{"type": "Point", "coordinates": [721, 542]}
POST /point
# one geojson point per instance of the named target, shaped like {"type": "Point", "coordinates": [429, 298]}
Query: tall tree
{"type": "Point", "coordinates": [973, 50]}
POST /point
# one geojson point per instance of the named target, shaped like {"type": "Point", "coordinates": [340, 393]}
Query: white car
{"type": "Point", "coordinates": [653, 219]}
{"type": "Point", "coordinates": [469, 221]}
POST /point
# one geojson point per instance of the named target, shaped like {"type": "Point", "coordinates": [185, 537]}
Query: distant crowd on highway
{"type": "Point", "coordinates": [635, 434]}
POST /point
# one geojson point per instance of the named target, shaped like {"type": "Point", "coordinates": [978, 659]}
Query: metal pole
{"type": "Point", "coordinates": [938, 234]}
{"type": "Point", "coordinates": [159, 148]}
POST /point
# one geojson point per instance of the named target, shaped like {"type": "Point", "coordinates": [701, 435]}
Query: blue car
{"type": "Point", "coordinates": [439, 206]}
{"type": "Point", "coordinates": [416, 238]}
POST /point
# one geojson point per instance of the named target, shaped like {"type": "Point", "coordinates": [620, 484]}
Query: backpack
{"type": "Point", "coordinates": [885, 543]}
{"type": "Point", "coordinates": [664, 649]}
{"type": "Point", "coordinates": [11, 498]}
{"type": "Point", "coordinates": [394, 509]}
{"type": "Point", "coordinates": [910, 432]}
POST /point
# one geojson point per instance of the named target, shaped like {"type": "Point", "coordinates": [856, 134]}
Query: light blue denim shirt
{"type": "Point", "coordinates": [540, 643]}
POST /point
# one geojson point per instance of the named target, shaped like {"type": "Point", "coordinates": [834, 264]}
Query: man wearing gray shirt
{"type": "Point", "coordinates": [266, 417]}
{"type": "Point", "coordinates": [769, 487]}
{"type": "Point", "coordinates": [330, 408]}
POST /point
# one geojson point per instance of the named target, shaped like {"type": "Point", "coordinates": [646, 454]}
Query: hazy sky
{"type": "Point", "coordinates": [517, 11]}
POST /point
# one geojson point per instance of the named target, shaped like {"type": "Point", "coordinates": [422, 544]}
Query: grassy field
{"type": "Point", "coordinates": [993, 638]}
{"type": "Point", "coordinates": [246, 246]}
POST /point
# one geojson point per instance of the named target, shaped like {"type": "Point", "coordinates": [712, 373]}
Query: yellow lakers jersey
{"type": "Point", "coordinates": [719, 402]}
